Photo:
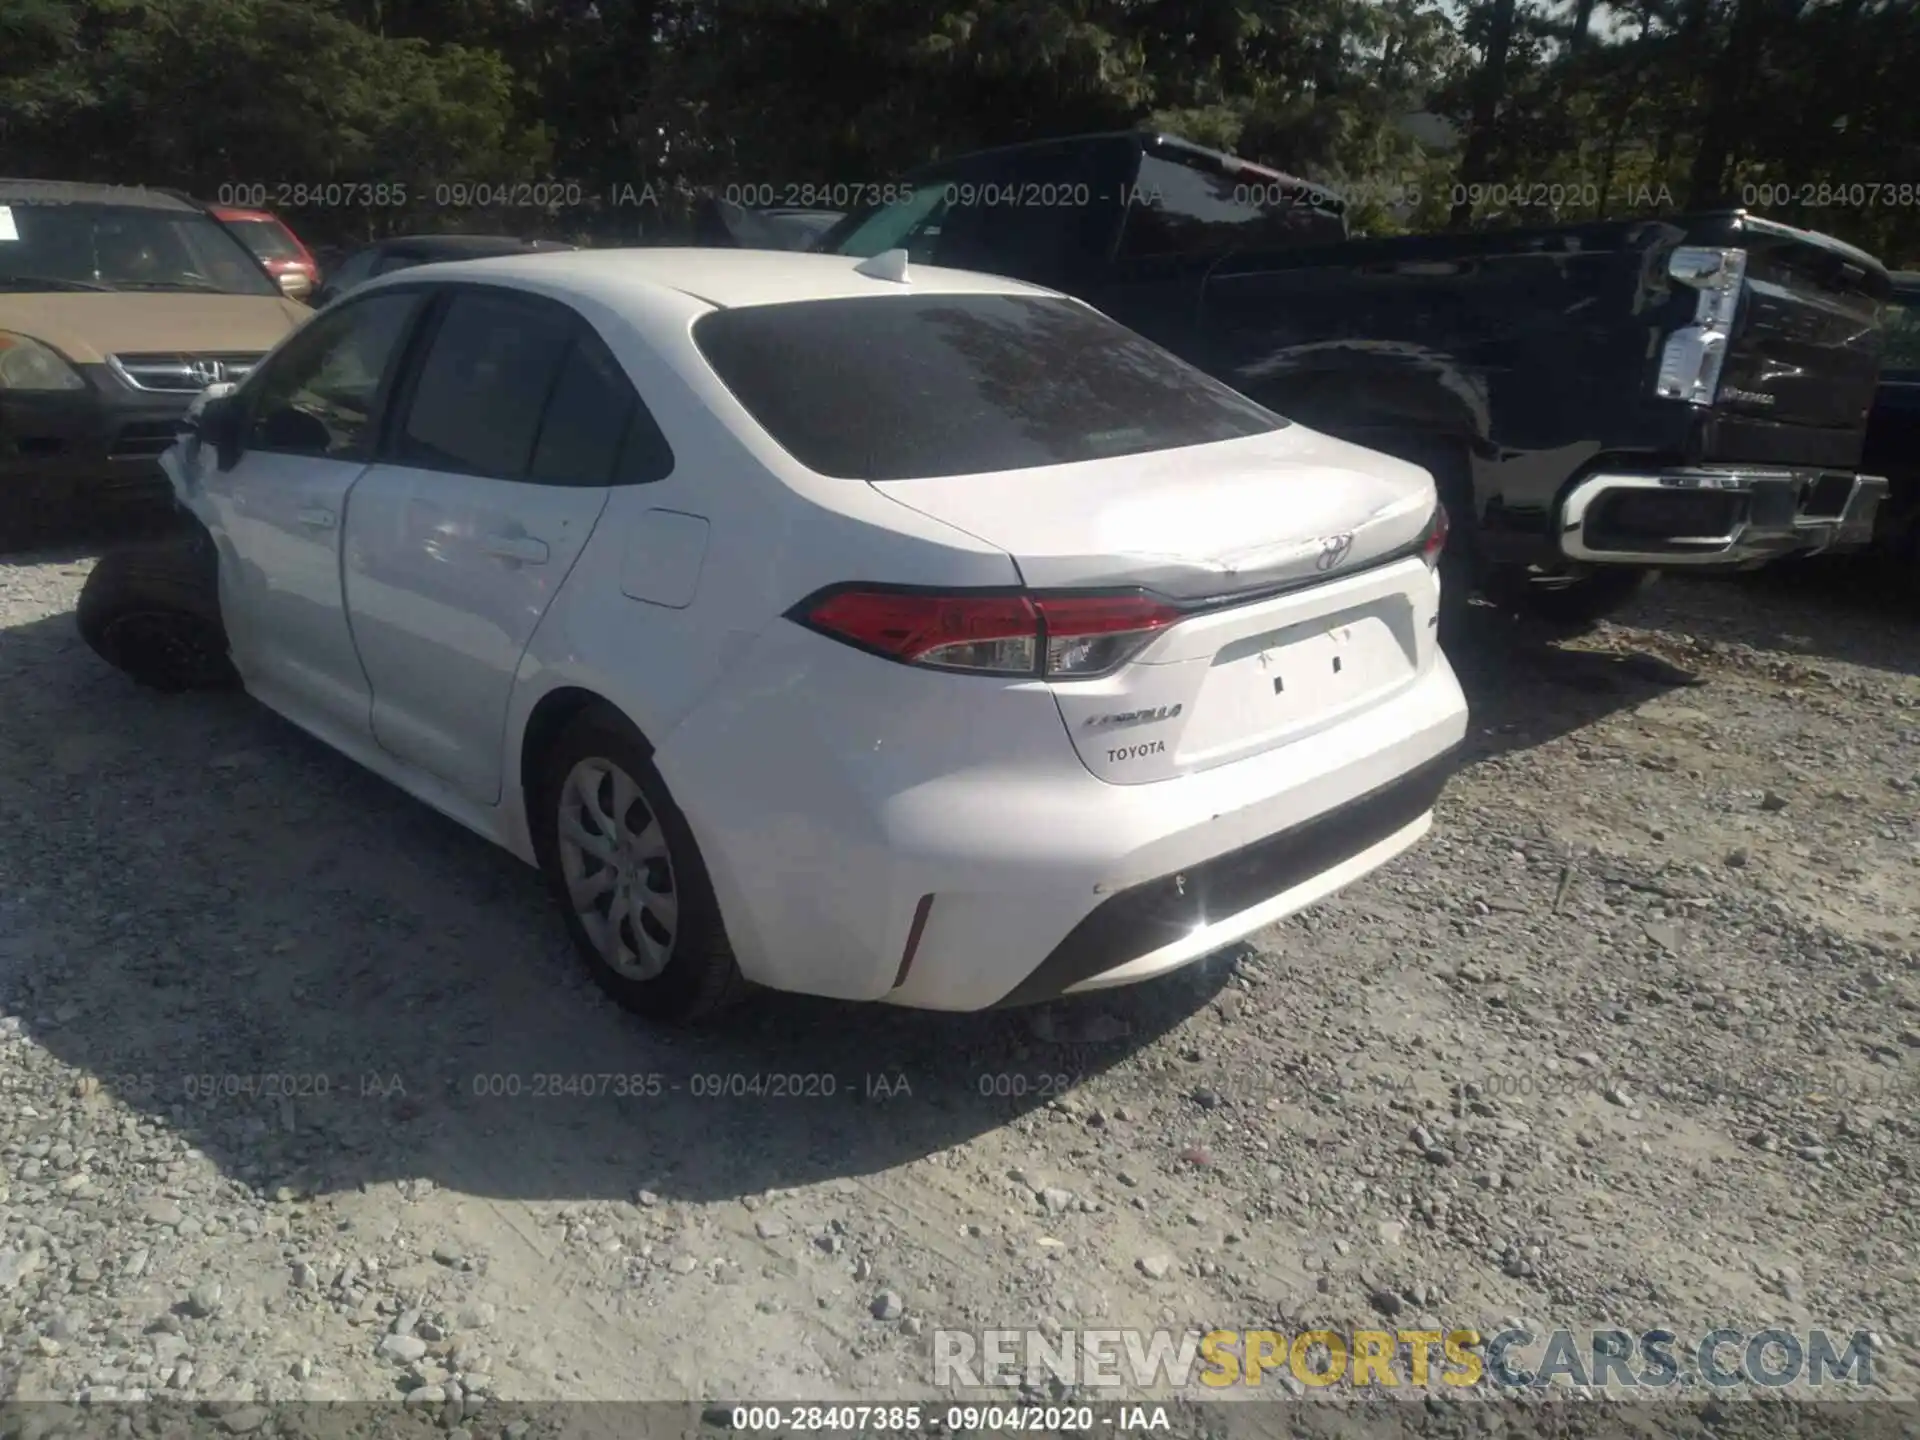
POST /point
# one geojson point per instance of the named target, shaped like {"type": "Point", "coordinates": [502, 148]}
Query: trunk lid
{"type": "Point", "coordinates": [1805, 347]}
{"type": "Point", "coordinates": [1283, 544]}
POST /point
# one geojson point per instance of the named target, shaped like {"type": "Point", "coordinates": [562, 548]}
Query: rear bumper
{"type": "Point", "coordinates": [827, 825]}
{"type": "Point", "coordinates": [1711, 517]}
{"type": "Point", "coordinates": [1176, 919]}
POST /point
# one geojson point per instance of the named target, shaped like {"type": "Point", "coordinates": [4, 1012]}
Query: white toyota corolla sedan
{"type": "Point", "coordinates": [888, 634]}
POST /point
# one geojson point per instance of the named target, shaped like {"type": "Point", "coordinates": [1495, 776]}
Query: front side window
{"type": "Point", "coordinates": [477, 404]}
{"type": "Point", "coordinates": [907, 386]}
{"type": "Point", "coordinates": [77, 245]}
{"type": "Point", "coordinates": [317, 396]}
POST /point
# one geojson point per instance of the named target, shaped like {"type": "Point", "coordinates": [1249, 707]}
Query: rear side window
{"type": "Point", "coordinates": [596, 431]}
{"type": "Point", "coordinates": [902, 387]}
{"type": "Point", "coordinates": [477, 404]}
{"type": "Point", "coordinates": [1183, 209]}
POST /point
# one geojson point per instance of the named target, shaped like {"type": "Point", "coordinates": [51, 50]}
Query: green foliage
{"type": "Point", "coordinates": [1800, 106]}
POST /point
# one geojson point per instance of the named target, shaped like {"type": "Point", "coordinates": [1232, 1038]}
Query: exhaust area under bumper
{"type": "Point", "coordinates": [1728, 518]}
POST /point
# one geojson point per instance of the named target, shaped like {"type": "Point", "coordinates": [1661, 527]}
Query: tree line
{"type": "Point", "coordinates": [602, 118]}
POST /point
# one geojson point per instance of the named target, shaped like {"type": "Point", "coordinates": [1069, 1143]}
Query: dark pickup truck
{"type": "Point", "coordinates": [1596, 401]}
{"type": "Point", "coordinates": [1893, 432]}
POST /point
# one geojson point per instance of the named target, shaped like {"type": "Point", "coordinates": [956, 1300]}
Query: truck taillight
{"type": "Point", "coordinates": [1691, 361]}
{"type": "Point", "coordinates": [1064, 637]}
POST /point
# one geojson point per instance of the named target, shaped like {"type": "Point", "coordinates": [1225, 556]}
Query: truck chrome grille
{"type": "Point", "coordinates": [175, 374]}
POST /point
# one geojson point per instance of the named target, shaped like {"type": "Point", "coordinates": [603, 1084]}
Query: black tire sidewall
{"type": "Point", "coordinates": [176, 578]}
{"type": "Point", "coordinates": [695, 975]}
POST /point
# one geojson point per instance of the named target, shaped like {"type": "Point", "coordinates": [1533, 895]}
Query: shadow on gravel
{"type": "Point", "coordinates": [1523, 691]}
{"type": "Point", "coordinates": [322, 984]}
{"type": "Point", "coordinates": [1855, 610]}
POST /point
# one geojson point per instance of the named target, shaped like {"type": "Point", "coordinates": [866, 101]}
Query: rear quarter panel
{"type": "Point", "coordinates": [654, 640]}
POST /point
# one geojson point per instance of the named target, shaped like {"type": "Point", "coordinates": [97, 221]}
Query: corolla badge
{"type": "Point", "coordinates": [1334, 550]}
{"type": "Point", "coordinates": [1134, 717]}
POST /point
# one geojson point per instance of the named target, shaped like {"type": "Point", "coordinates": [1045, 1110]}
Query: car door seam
{"type": "Point", "coordinates": [346, 601]}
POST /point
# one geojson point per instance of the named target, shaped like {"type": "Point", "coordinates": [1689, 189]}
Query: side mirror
{"type": "Point", "coordinates": [216, 417]}
{"type": "Point", "coordinates": [296, 285]}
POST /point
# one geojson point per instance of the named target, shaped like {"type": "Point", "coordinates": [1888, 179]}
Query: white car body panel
{"type": "Point", "coordinates": [447, 578]}
{"type": "Point", "coordinates": [1191, 522]}
{"type": "Point", "coordinates": [665, 552]}
{"type": "Point", "coordinates": [830, 790]}
{"type": "Point", "coordinates": [278, 520]}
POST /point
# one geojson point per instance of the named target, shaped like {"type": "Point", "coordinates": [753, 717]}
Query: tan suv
{"type": "Point", "coordinates": [117, 306]}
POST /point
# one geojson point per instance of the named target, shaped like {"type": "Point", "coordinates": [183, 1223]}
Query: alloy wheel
{"type": "Point", "coordinates": [618, 868]}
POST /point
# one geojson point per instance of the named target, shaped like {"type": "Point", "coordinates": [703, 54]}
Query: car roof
{"type": "Point", "coordinates": [720, 278]}
{"type": "Point", "coordinates": [69, 192]}
{"type": "Point", "coordinates": [243, 213]}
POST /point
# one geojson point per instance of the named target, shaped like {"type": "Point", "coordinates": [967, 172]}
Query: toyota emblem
{"type": "Point", "coordinates": [206, 372]}
{"type": "Point", "coordinates": [1334, 550]}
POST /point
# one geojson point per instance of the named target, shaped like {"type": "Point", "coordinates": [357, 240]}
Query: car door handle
{"type": "Point", "coordinates": [318, 519]}
{"type": "Point", "coordinates": [523, 548]}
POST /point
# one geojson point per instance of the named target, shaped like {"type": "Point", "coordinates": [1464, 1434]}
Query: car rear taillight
{"type": "Point", "coordinates": [1092, 634]}
{"type": "Point", "coordinates": [1435, 539]}
{"type": "Point", "coordinates": [1066, 637]}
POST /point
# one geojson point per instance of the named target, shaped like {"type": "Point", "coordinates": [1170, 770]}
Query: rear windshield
{"type": "Point", "coordinates": [910, 386]}
{"type": "Point", "coordinates": [266, 238]}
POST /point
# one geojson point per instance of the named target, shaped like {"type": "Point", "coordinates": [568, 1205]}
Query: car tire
{"type": "Point", "coordinates": [1570, 605]}
{"type": "Point", "coordinates": [152, 611]}
{"type": "Point", "coordinates": [674, 963]}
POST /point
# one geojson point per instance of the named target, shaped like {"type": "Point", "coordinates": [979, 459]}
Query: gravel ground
{"type": "Point", "coordinates": [1631, 1039]}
